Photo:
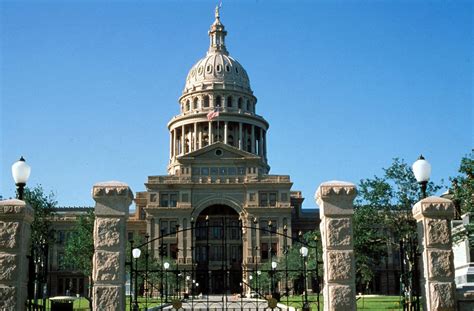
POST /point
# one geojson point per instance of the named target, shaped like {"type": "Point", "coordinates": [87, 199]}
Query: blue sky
{"type": "Point", "coordinates": [87, 87]}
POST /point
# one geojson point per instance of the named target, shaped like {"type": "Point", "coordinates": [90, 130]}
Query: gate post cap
{"type": "Point", "coordinates": [434, 207]}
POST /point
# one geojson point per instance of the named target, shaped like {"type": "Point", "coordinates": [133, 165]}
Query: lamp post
{"type": "Point", "coordinates": [20, 172]}
{"type": "Point", "coordinates": [274, 266]}
{"type": "Point", "coordinates": [136, 252]}
{"type": "Point", "coordinates": [422, 171]}
{"type": "Point", "coordinates": [304, 255]}
{"type": "Point", "coordinates": [166, 265]}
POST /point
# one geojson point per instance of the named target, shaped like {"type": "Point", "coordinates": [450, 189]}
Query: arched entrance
{"type": "Point", "coordinates": [218, 250]}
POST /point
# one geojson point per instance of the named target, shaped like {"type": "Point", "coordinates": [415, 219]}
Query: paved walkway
{"type": "Point", "coordinates": [231, 303]}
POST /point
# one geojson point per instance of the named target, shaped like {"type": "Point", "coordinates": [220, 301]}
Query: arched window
{"type": "Point", "coordinates": [187, 105]}
{"type": "Point", "coordinates": [218, 101]}
{"type": "Point", "coordinates": [195, 103]}
{"type": "Point", "coordinates": [206, 101]}
{"type": "Point", "coordinates": [248, 105]}
{"type": "Point", "coordinates": [229, 101]}
{"type": "Point", "coordinates": [239, 105]}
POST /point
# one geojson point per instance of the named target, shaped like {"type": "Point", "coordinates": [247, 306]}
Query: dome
{"type": "Point", "coordinates": [217, 69]}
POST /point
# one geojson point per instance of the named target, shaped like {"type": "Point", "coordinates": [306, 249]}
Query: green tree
{"type": "Point", "coordinates": [462, 193]}
{"type": "Point", "coordinates": [43, 210]}
{"type": "Point", "coordinates": [82, 242]}
{"type": "Point", "coordinates": [383, 214]}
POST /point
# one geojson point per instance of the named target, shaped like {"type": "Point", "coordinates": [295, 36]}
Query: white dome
{"type": "Point", "coordinates": [217, 68]}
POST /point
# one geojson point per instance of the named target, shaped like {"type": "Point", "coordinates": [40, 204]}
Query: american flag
{"type": "Point", "coordinates": [213, 114]}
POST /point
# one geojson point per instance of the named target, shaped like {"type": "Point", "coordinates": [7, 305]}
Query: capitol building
{"type": "Point", "coordinates": [219, 173]}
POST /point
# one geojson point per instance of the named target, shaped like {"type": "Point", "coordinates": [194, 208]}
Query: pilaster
{"type": "Point", "coordinates": [433, 216]}
{"type": "Point", "coordinates": [108, 273]}
{"type": "Point", "coordinates": [335, 200]}
{"type": "Point", "coordinates": [15, 232]}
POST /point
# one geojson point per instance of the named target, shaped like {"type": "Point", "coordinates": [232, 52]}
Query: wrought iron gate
{"type": "Point", "coordinates": [216, 276]}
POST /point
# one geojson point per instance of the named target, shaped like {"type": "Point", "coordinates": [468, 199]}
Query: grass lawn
{"type": "Point", "coordinates": [364, 303]}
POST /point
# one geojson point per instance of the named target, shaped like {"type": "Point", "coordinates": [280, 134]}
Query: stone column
{"type": "Point", "coordinates": [260, 142]}
{"type": "Point", "coordinates": [433, 216]}
{"type": "Point", "coordinates": [195, 136]}
{"type": "Point", "coordinates": [336, 211]}
{"type": "Point", "coordinates": [240, 136]}
{"type": "Point", "coordinates": [225, 132]}
{"type": "Point", "coordinates": [108, 272]}
{"type": "Point", "coordinates": [174, 143]}
{"type": "Point", "coordinates": [183, 148]}
{"type": "Point", "coordinates": [15, 231]}
{"type": "Point", "coordinates": [210, 136]}
{"type": "Point", "coordinates": [252, 138]}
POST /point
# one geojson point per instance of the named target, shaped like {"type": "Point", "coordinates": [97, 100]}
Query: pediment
{"type": "Point", "coordinates": [218, 151]}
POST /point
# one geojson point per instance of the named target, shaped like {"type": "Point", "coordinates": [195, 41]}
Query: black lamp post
{"type": "Point", "coordinates": [274, 266]}
{"type": "Point", "coordinates": [304, 255]}
{"type": "Point", "coordinates": [21, 172]}
{"type": "Point", "coordinates": [422, 171]}
{"type": "Point", "coordinates": [136, 252]}
{"type": "Point", "coordinates": [166, 265]}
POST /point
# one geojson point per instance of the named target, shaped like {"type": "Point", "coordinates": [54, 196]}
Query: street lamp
{"type": "Point", "coordinates": [166, 265]}
{"type": "Point", "coordinates": [274, 266]}
{"type": "Point", "coordinates": [136, 252]}
{"type": "Point", "coordinates": [304, 254]}
{"type": "Point", "coordinates": [20, 172]}
{"type": "Point", "coordinates": [422, 171]}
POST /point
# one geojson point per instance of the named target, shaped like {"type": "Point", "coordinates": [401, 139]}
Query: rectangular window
{"type": "Point", "coordinates": [241, 171]}
{"type": "Point", "coordinates": [284, 197]}
{"type": "Point", "coordinates": [196, 171]}
{"type": "Point", "coordinates": [174, 251]}
{"type": "Point", "coordinates": [232, 171]}
{"type": "Point", "coordinates": [173, 199]}
{"type": "Point", "coordinates": [267, 198]}
{"type": "Point", "coordinates": [164, 229]}
{"type": "Point", "coordinates": [263, 199]}
{"type": "Point", "coordinates": [223, 171]}
{"type": "Point", "coordinates": [205, 171]}
{"type": "Point", "coordinates": [168, 199]}
{"type": "Point", "coordinates": [152, 197]}
{"type": "Point", "coordinates": [264, 251]}
{"type": "Point", "coordinates": [173, 224]}
{"type": "Point", "coordinates": [214, 171]}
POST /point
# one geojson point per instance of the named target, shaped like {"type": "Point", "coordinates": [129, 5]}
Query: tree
{"type": "Point", "coordinates": [462, 193]}
{"type": "Point", "coordinates": [43, 210]}
{"type": "Point", "coordinates": [82, 242]}
{"type": "Point", "coordinates": [383, 214]}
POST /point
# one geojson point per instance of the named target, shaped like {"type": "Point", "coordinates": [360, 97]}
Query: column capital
{"type": "Point", "coordinates": [336, 197]}
{"type": "Point", "coordinates": [433, 207]}
{"type": "Point", "coordinates": [112, 197]}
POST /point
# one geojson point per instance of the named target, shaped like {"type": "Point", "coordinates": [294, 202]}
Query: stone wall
{"type": "Point", "coordinates": [336, 212]}
{"type": "Point", "coordinates": [15, 231]}
{"type": "Point", "coordinates": [111, 212]}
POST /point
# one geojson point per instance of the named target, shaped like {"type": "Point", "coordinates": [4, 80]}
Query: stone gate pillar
{"type": "Point", "coordinates": [108, 273]}
{"type": "Point", "coordinates": [15, 232]}
{"type": "Point", "coordinates": [433, 216]}
{"type": "Point", "coordinates": [336, 211]}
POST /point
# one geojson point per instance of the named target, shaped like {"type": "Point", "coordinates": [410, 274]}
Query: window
{"type": "Point", "coordinates": [227, 68]}
{"type": "Point", "coordinates": [248, 105]}
{"type": "Point", "coordinates": [174, 251]}
{"type": "Point", "coordinates": [284, 197]}
{"type": "Point", "coordinates": [232, 171]}
{"type": "Point", "coordinates": [267, 198]}
{"type": "Point", "coordinates": [188, 106]}
{"type": "Point", "coordinates": [239, 104]}
{"type": "Point", "coordinates": [164, 227]}
{"type": "Point", "coordinates": [252, 196]}
{"type": "Point", "coordinates": [206, 101]}
{"type": "Point", "coordinates": [218, 101]}
{"type": "Point", "coordinates": [195, 103]}
{"type": "Point", "coordinates": [229, 101]}
{"type": "Point", "coordinates": [205, 171]}
{"type": "Point", "coordinates": [219, 68]}
{"type": "Point", "coordinates": [152, 197]}
{"type": "Point", "coordinates": [168, 199]}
